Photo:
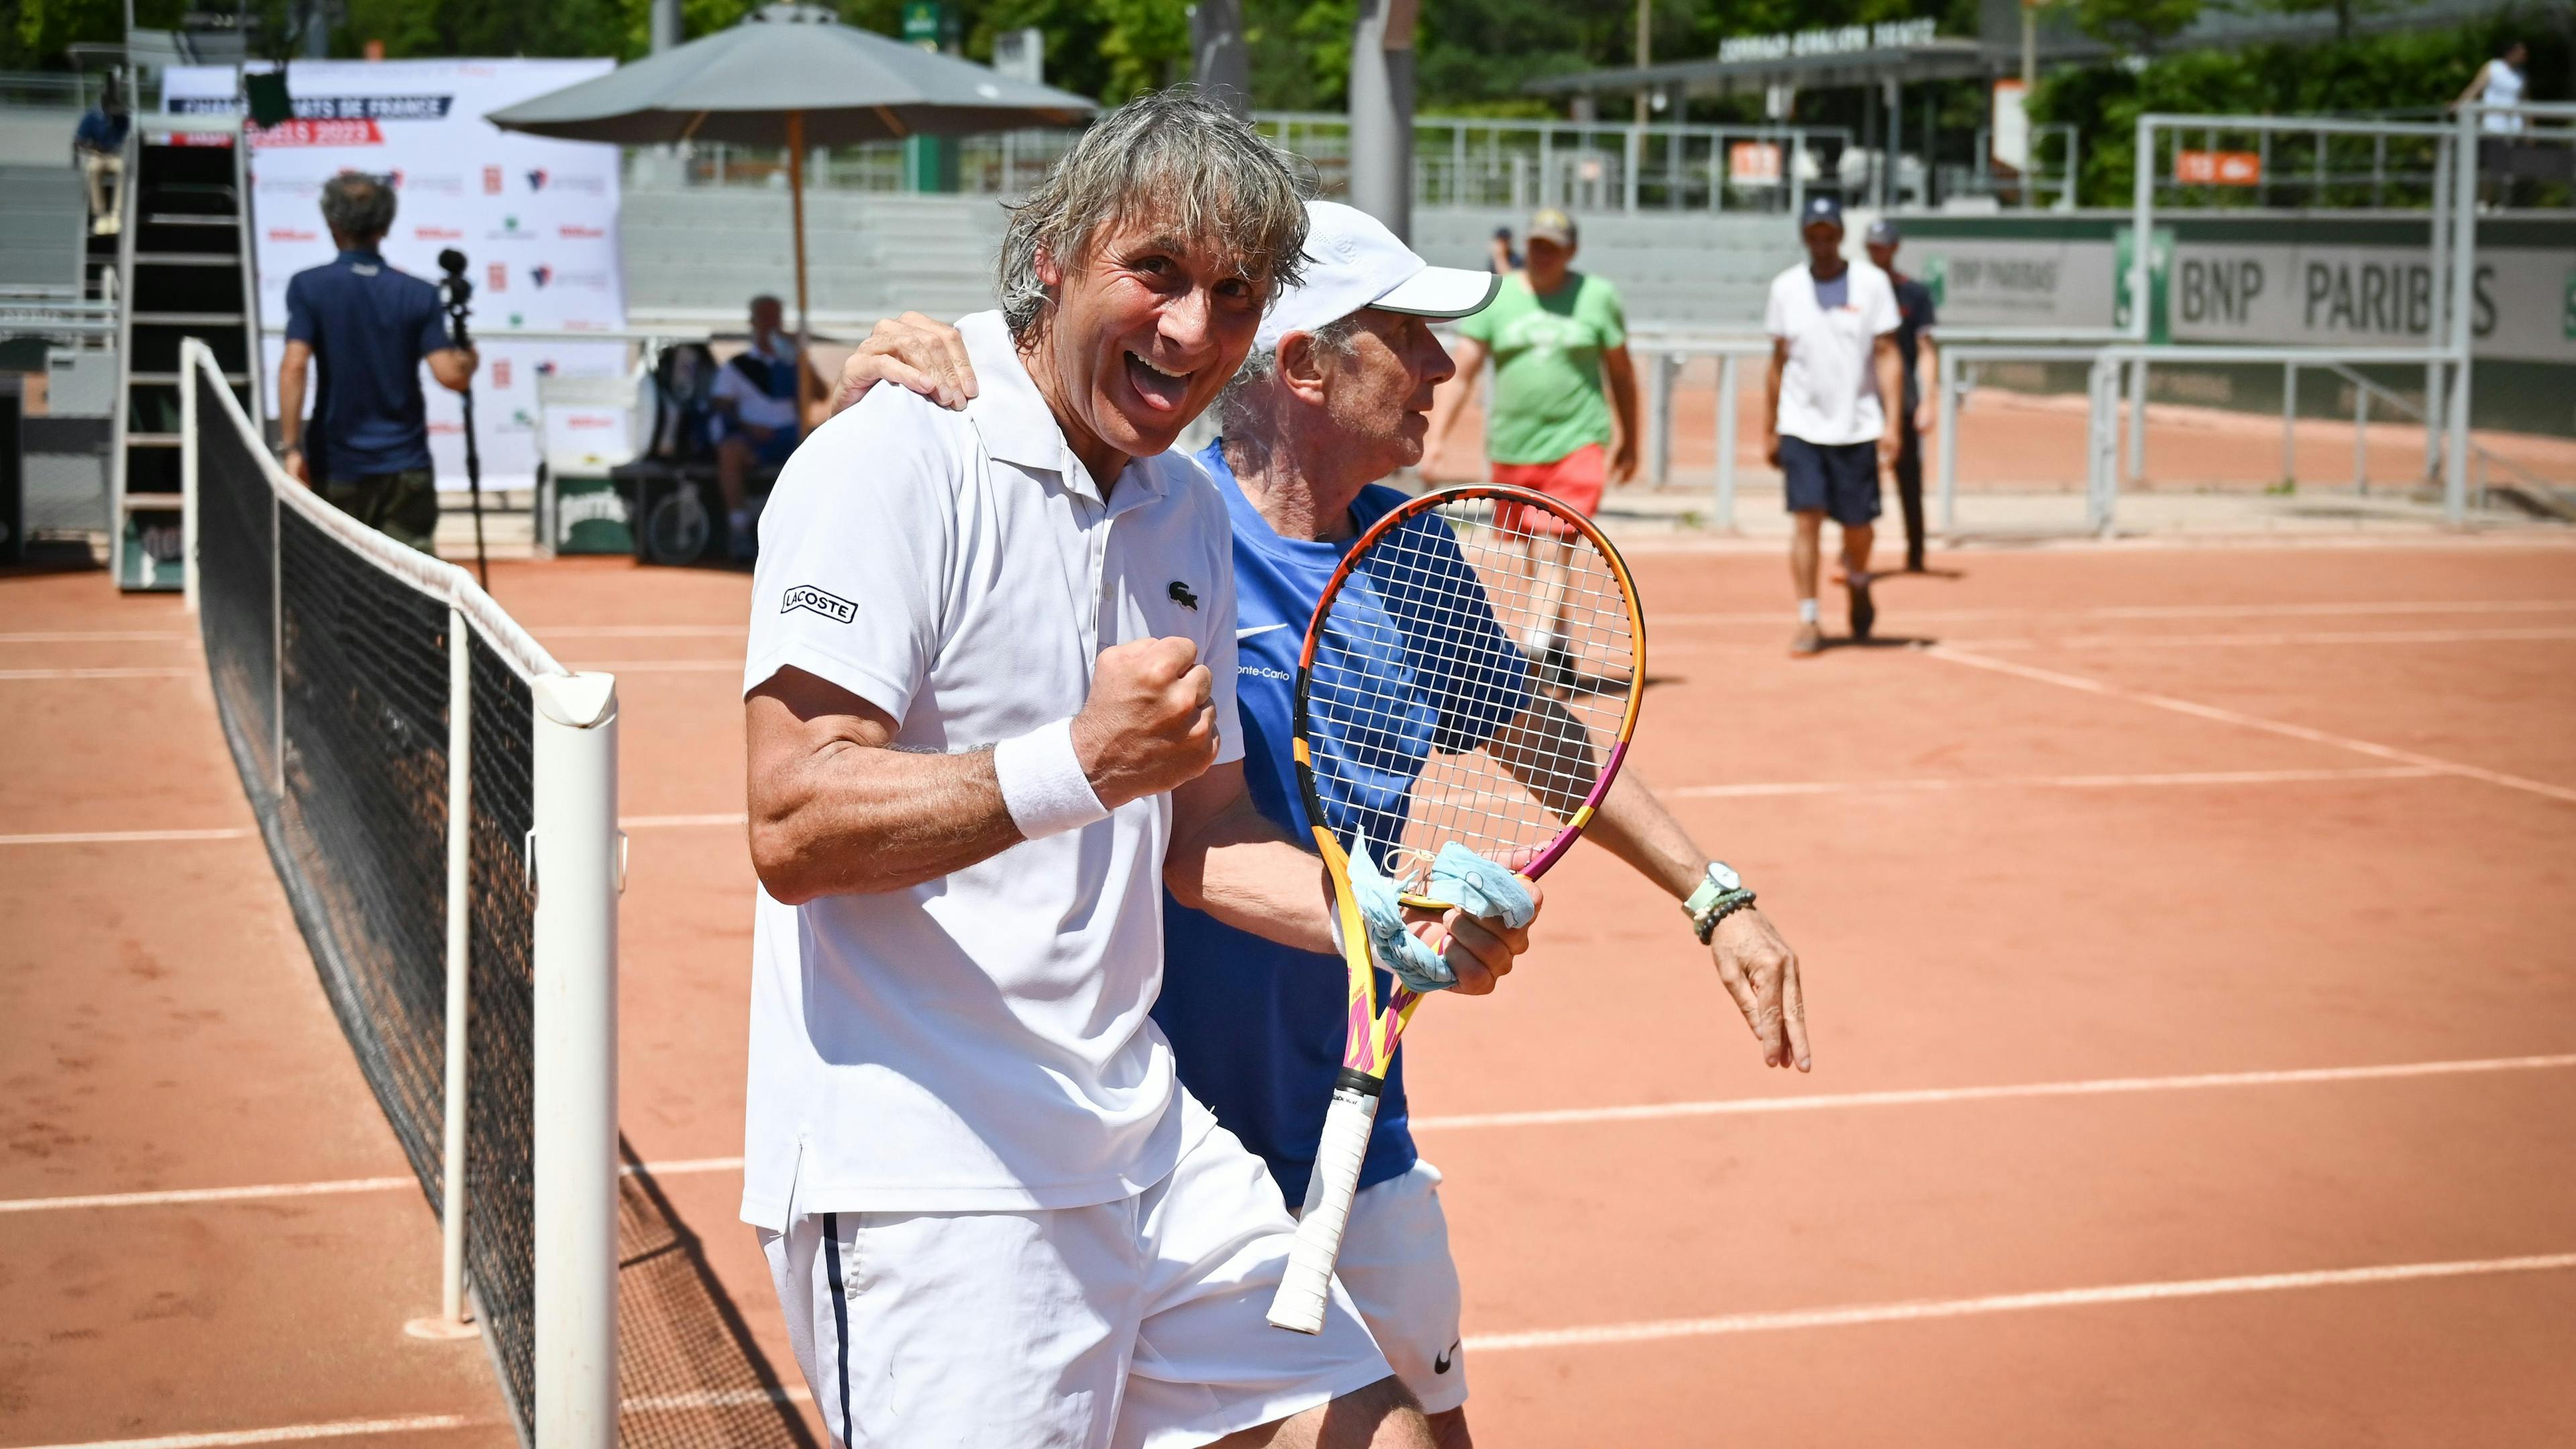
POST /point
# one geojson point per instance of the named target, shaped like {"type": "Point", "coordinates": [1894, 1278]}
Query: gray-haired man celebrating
{"type": "Point", "coordinates": [1336, 396]}
{"type": "Point", "coordinates": [990, 714]}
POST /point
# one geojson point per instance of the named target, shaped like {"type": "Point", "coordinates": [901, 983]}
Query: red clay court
{"type": "Point", "coordinates": [2186, 934]}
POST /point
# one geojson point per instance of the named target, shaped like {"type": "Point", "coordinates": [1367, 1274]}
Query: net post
{"type": "Point", "coordinates": [2461, 314]}
{"type": "Point", "coordinates": [2290, 424]}
{"type": "Point", "coordinates": [189, 348]}
{"type": "Point", "coordinates": [451, 1321]}
{"type": "Point", "coordinates": [2137, 420]}
{"type": "Point", "coordinates": [2438, 223]}
{"type": "Point", "coordinates": [1667, 375]}
{"type": "Point", "coordinates": [576, 860]}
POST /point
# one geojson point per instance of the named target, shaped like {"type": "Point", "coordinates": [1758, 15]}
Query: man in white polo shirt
{"type": "Point", "coordinates": [992, 1215]}
{"type": "Point", "coordinates": [1833, 357]}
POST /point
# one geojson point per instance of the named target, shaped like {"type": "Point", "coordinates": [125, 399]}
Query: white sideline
{"type": "Point", "coordinates": [289, 1434]}
{"type": "Point", "coordinates": [2060, 782]}
{"type": "Point", "coordinates": [1914, 1310]}
{"type": "Point", "coordinates": [1723, 1107]}
{"type": "Point", "coordinates": [1929, 1096]}
{"type": "Point", "coordinates": [1750, 790]}
{"type": "Point", "coordinates": [2239, 641]}
{"type": "Point", "coordinates": [2270, 726]}
{"type": "Point", "coordinates": [664, 666]}
{"type": "Point", "coordinates": [1593, 1335]}
{"type": "Point", "coordinates": [259, 1193]}
{"type": "Point", "coordinates": [136, 672]}
{"type": "Point", "coordinates": [2176, 611]}
{"type": "Point", "coordinates": [97, 636]}
{"type": "Point", "coordinates": [125, 837]}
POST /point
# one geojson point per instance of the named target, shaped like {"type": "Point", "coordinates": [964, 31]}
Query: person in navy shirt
{"type": "Point", "coordinates": [368, 328]}
{"type": "Point", "coordinates": [1335, 396]}
{"type": "Point", "coordinates": [98, 146]}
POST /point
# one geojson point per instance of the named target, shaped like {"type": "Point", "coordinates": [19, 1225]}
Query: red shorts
{"type": "Point", "coordinates": [1574, 479]}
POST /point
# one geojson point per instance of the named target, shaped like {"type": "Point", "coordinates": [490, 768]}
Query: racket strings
{"type": "Point", "coordinates": [1468, 682]}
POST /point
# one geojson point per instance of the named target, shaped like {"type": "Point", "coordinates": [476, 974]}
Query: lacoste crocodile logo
{"type": "Point", "coordinates": [1181, 595]}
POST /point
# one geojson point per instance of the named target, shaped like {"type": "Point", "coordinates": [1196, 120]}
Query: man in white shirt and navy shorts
{"type": "Point", "coordinates": [990, 716]}
{"type": "Point", "coordinates": [1833, 359]}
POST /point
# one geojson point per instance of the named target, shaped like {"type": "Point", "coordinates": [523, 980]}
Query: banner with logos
{"type": "Point", "coordinates": [536, 219]}
{"type": "Point", "coordinates": [2290, 280]}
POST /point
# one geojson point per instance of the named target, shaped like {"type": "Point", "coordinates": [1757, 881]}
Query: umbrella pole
{"type": "Point", "coordinates": [796, 204]}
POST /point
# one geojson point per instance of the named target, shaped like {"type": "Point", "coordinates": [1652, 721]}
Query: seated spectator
{"type": "Point", "coordinates": [758, 415]}
{"type": "Point", "coordinates": [98, 144]}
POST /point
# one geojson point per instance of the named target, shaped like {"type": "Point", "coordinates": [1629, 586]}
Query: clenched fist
{"type": "Point", "coordinates": [1151, 722]}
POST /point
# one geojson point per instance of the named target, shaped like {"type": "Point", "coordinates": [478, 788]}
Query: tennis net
{"type": "Point", "coordinates": [353, 677]}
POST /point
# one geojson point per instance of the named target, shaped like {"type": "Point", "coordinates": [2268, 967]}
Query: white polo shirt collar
{"type": "Point", "coordinates": [1017, 426]}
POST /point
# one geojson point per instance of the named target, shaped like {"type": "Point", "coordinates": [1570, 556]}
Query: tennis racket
{"type": "Point", "coordinates": [1472, 675]}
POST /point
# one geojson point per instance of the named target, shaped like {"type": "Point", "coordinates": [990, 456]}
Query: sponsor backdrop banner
{"type": "Point", "coordinates": [2304, 280]}
{"type": "Point", "coordinates": [537, 218]}
{"type": "Point", "coordinates": [2295, 284]}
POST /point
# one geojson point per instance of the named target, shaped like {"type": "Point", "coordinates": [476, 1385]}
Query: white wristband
{"type": "Point", "coordinates": [1042, 782]}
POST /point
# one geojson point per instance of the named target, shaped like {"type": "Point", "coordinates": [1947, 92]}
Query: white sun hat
{"type": "Point", "coordinates": [1353, 261]}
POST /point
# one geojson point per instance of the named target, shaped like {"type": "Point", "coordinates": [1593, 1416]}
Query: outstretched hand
{"type": "Point", "coordinates": [1761, 973]}
{"type": "Point", "coordinates": [913, 352]}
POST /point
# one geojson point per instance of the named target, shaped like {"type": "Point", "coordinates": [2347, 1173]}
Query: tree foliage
{"type": "Point", "coordinates": [2398, 70]}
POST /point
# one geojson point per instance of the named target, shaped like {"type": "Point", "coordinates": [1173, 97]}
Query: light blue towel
{"type": "Point", "coordinates": [1458, 875]}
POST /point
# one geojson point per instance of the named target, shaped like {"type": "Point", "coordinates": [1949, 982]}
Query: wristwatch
{"type": "Point", "coordinates": [1719, 895]}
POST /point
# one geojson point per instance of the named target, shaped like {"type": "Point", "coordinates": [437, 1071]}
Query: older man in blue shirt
{"type": "Point", "coordinates": [370, 327]}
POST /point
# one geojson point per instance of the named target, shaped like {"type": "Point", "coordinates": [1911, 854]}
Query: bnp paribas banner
{"type": "Point", "coordinates": [537, 220]}
{"type": "Point", "coordinates": [2295, 280]}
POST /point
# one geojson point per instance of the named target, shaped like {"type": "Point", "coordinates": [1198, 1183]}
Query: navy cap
{"type": "Point", "coordinates": [1883, 233]}
{"type": "Point", "coordinates": [1821, 208]}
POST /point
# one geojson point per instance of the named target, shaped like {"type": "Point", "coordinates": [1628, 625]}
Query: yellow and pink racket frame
{"type": "Point", "coordinates": [1373, 1036]}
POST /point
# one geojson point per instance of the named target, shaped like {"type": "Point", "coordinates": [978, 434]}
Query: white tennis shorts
{"type": "Point", "coordinates": [1396, 1265]}
{"type": "Point", "coordinates": [1136, 1324]}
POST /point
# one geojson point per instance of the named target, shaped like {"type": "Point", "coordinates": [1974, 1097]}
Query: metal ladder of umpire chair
{"type": "Point", "coordinates": [184, 261]}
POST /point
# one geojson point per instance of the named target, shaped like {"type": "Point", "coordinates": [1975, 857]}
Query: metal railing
{"type": "Point", "coordinates": [2108, 425]}
{"type": "Point", "coordinates": [1458, 161]}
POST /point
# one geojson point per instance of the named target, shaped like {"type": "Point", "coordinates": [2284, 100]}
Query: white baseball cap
{"type": "Point", "coordinates": [1353, 261]}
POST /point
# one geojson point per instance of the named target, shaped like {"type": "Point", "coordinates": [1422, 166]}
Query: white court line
{"type": "Point", "coordinates": [1727, 1107]}
{"type": "Point", "coordinates": [2228, 641]}
{"type": "Point", "coordinates": [1750, 790]}
{"type": "Point", "coordinates": [1594, 1335]}
{"type": "Point", "coordinates": [638, 631]}
{"type": "Point", "coordinates": [2054, 782]}
{"type": "Point", "coordinates": [289, 1434]}
{"type": "Point", "coordinates": [1914, 1310]}
{"type": "Point", "coordinates": [102, 636]}
{"type": "Point", "coordinates": [244, 832]}
{"type": "Point", "coordinates": [1928, 1096]}
{"type": "Point", "coordinates": [2249, 721]}
{"type": "Point", "coordinates": [137, 672]}
{"type": "Point", "coordinates": [660, 666]}
{"type": "Point", "coordinates": [2177, 611]}
{"type": "Point", "coordinates": [125, 837]}
{"type": "Point", "coordinates": [260, 1193]}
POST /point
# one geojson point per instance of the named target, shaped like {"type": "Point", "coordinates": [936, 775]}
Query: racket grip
{"type": "Point", "coordinates": [1308, 1285]}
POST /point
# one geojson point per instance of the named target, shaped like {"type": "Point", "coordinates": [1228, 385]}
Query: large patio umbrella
{"type": "Point", "coordinates": [792, 76]}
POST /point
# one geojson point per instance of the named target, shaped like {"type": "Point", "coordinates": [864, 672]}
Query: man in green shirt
{"type": "Point", "coordinates": [1556, 336]}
